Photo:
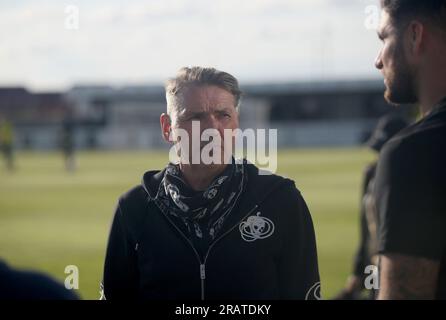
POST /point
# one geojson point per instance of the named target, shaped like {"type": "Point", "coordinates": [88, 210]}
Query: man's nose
{"type": "Point", "coordinates": [211, 122]}
{"type": "Point", "coordinates": [378, 61]}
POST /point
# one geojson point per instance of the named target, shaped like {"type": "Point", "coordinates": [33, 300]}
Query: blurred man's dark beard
{"type": "Point", "coordinates": [400, 87]}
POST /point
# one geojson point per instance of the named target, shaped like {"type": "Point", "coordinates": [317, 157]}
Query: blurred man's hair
{"type": "Point", "coordinates": [428, 11]}
{"type": "Point", "coordinates": [199, 76]}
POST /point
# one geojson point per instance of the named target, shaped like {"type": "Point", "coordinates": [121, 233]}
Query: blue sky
{"type": "Point", "coordinates": [135, 42]}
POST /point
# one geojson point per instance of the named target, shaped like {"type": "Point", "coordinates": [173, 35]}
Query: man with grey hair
{"type": "Point", "coordinates": [218, 230]}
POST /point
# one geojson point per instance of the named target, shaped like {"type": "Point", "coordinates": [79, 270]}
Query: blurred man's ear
{"type": "Point", "coordinates": [416, 37]}
{"type": "Point", "coordinates": [165, 127]}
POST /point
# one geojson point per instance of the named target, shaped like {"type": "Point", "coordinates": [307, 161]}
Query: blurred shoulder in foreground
{"type": "Point", "coordinates": [30, 285]}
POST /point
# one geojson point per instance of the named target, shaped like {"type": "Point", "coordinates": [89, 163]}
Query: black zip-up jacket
{"type": "Point", "coordinates": [148, 257]}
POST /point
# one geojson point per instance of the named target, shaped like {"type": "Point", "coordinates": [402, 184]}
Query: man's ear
{"type": "Point", "coordinates": [416, 37]}
{"type": "Point", "coordinates": [165, 127]}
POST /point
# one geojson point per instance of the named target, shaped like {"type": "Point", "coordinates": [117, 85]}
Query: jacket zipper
{"type": "Point", "coordinates": [202, 269]}
{"type": "Point", "coordinates": [203, 263]}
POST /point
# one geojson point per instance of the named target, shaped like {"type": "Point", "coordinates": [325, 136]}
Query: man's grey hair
{"type": "Point", "coordinates": [199, 76]}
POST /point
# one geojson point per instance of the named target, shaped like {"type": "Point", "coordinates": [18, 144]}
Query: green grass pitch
{"type": "Point", "coordinates": [50, 218]}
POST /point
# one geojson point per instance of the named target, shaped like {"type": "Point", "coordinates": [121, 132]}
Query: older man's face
{"type": "Point", "coordinates": [212, 107]}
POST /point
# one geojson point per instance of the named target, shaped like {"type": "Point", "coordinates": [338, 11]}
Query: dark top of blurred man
{"type": "Point", "coordinates": [210, 231]}
{"type": "Point", "coordinates": [366, 254]}
{"type": "Point", "coordinates": [30, 285]}
{"type": "Point", "coordinates": [411, 175]}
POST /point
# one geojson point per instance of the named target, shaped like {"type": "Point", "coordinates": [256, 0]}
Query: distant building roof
{"type": "Point", "coordinates": [24, 107]}
{"type": "Point", "coordinates": [154, 92]}
{"type": "Point", "coordinates": [311, 87]}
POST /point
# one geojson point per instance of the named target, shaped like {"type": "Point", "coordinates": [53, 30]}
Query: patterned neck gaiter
{"type": "Point", "coordinates": [202, 213]}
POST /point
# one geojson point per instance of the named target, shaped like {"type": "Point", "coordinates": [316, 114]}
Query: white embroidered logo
{"type": "Point", "coordinates": [256, 227]}
{"type": "Point", "coordinates": [314, 293]}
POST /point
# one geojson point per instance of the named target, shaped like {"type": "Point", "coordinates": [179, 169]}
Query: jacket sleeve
{"type": "Point", "coordinates": [298, 265]}
{"type": "Point", "coordinates": [120, 280]}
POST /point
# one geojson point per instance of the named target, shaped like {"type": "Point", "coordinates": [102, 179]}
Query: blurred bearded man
{"type": "Point", "coordinates": [411, 176]}
{"type": "Point", "coordinates": [209, 230]}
